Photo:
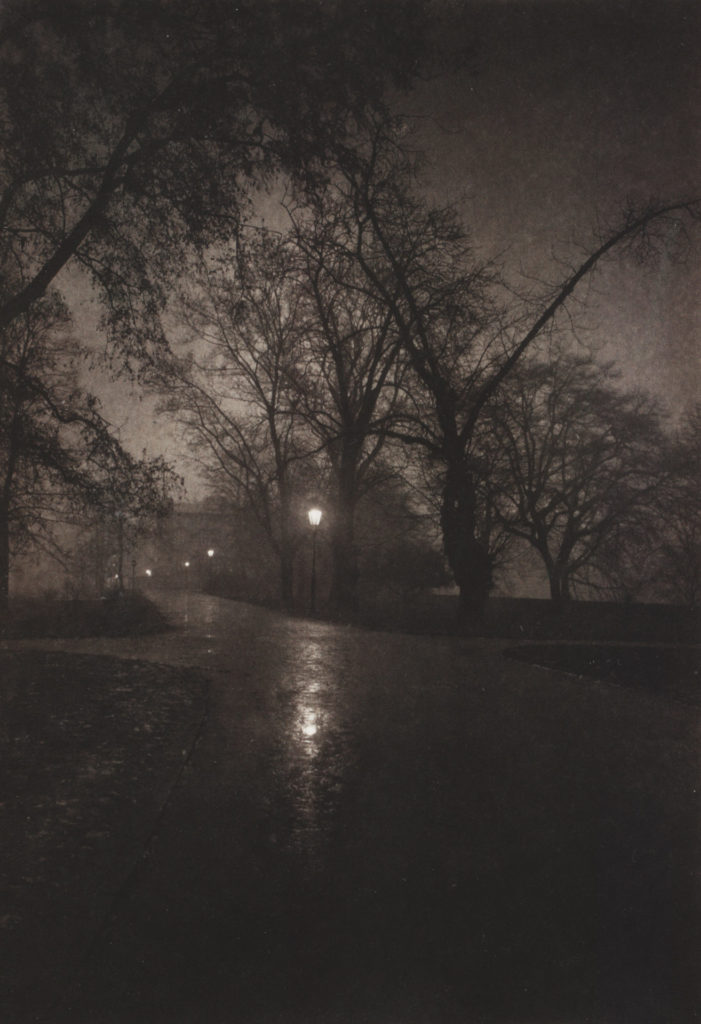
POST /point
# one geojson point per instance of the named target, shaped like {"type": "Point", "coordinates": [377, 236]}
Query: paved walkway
{"type": "Point", "coordinates": [395, 830]}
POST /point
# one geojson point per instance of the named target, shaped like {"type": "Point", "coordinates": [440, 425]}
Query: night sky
{"type": "Point", "coordinates": [564, 109]}
{"type": "Point", "coordinates": [567, 109]}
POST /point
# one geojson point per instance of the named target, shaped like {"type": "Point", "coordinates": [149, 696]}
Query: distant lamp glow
{"type": "Point", "coordinates": [314, 515]}
{"type": "Point", "coordinates": [210, 553]}
{"type": "Point", "coordinates": [309, 726]}
{"type": "Point", "coordinates": [149, 572]}
{"type": "Point", "coordinates": [186, 564]}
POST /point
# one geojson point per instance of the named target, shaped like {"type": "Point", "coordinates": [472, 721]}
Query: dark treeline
{"type": "Point", "coordinates": [366, 351]}
{"type": "Point", "coordinates": [368, 342]}
{"type": "Point", "coordinates": [133, 134]}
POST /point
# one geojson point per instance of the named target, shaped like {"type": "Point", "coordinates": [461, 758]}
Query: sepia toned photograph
{"type": "Point", "coordinates": [350, 511]}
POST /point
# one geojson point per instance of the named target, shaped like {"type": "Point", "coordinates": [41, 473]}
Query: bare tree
{"type": "Point", "coordinates": [133, 497]}
{"type": "Point", "coordinates": [236, 392]}
{"type": "Point", "coordinates": [460, 339]}
{"type": "Point", "coordinates": [350, 384]}
{"type": "Point", "coordinates": [133, 133]}
{"type": "Point", "coordinates": [57, 453]}
{"type": "Point", "coordinates": [582, 463]}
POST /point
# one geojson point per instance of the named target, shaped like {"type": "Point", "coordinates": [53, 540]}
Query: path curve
{"type": "Point", "coordinates": [400, 830]}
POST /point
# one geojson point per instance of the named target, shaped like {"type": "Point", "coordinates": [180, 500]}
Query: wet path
{"type": "Point", "coordinates": [396, 830]}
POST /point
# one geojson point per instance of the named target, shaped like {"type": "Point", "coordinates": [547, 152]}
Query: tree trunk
{"type": "Point", "coordinates": [555, 591]}
{"type": "Point", "coordinates": [559, 583]}
{"type": "Point", "coordinates": [99, 560]}
{"type": "Point", "coordinates": [344, 565]}
{"type": "Point", "coordinates": [344, 558]}
{"type": "Point", "coordinates": [12, 450]}
{"type": "Point", "coordinates": [4, 559]}
{"type": "Point", "coordinates": [468, 559]}
{"type": "Point", "coordinates": [286, 574]}
{"type": "Point", "coordinates": [120, 555]}
{"type": "Point", "coordinates": [286, 551]}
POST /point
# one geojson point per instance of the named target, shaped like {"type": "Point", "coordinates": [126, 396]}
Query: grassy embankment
{"type": "Point", "coordinates": [118, 615]}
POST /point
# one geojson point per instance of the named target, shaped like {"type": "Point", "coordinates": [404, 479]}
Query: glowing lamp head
{"type": "Point", "coordinates": [314, 515]}
{"type": "Point", "coordinates": [210, 552]}
{"type": "Point", "coordinates": [149, 572]}
{"type": "Point", "coordinates": [186, 564]}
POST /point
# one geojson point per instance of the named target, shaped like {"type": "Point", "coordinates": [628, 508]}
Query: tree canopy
{"type": "Point", "coordinates": [58, 455]}
{"type": "Point", "coordinates": [134, 133]}
{"type": "Point", "coordinates": [131, 129]}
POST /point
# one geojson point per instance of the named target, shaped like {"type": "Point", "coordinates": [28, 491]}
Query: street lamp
{"type": "Point", "coordinates": [210, 553]}
{"type": "Point", "coordinates": [314, 516]}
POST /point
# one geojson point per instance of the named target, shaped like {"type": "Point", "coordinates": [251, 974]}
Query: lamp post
{"type": "Point", "coordinates": [210, 574]}
{"type": "Point", "coordinates": [186, 567]}
{"type": "Point", "coordinates": [314, 516]}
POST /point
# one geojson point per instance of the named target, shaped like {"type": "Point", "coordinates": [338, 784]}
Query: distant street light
{"type": "Point", "coordinates": [314, 515]}
{"type": "Point", "coordinates": [149, 572]}
{"type": "Point", "coordinates": [210, 553]}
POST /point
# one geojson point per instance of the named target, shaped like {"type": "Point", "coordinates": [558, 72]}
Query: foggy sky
{"type": "Point", "coordinates": [564, 109]}
{"type": "Point", "coordinates": [567, 109]}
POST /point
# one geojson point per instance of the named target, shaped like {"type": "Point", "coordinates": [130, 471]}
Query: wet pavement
{"type": "Point", "coordinates": [91, 747]}
{"type": "Point", "coordinates": [404, 830]}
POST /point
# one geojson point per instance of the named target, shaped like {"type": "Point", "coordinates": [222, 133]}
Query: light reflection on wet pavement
{"type": "Point", "coordinates": [390, 830]}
